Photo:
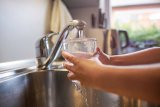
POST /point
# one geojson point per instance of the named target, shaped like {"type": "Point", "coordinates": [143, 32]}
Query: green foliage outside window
{"type": "Point", "coordinates": [141, 33]}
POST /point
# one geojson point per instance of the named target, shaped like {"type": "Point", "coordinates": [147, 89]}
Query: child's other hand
{"type": "Point", "coordinates": [104, 58]}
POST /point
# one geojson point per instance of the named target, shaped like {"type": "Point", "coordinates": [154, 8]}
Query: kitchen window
{"type": "Point", "coordinates": [141, 18]}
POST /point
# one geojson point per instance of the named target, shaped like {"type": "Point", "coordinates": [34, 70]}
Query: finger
{"type": "Point", "coordinates": [99, 51]}
{"type": "Point", "coordinates": [69, 67]}
{"type": "Point", "coordinates": [71, 76]}
{"type": "Point", "coordinates": [70, 57]}
{"type": "Point", "coordinates": [96, 52]}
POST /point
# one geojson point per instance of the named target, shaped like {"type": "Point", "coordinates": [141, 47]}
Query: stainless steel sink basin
{"type": "Point", "coordinates": [34, 88]}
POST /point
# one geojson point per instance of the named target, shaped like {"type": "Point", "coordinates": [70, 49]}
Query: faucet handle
{"type": "Point", "coordinates": [43, 47]}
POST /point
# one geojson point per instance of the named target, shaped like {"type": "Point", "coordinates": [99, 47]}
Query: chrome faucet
{"type": "Point", "coordinates": [47, 51]}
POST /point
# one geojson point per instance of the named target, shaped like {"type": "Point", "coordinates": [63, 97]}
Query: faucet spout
{"type": "Point", "coordinates": [56, 50]}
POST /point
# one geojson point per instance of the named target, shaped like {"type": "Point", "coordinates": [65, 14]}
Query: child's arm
{"type": "Point", "coordinates": [146, 56]}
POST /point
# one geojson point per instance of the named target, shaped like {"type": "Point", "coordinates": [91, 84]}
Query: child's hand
{"type": "Point", "coordinates": [84, 70]}
{"type": "Point", "coordinates": [104, 58]}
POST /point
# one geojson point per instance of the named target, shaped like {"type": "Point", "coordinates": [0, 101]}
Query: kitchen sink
{"type": "Point", "coordinates": [51, 88]}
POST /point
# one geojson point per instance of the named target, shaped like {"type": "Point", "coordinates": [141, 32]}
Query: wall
{"type": "Point", "coordinates": [22, 22]}
{"type": "Point", "coordinates": [84, 14]}
{"type": "Point", "coordinates": [87, 8]}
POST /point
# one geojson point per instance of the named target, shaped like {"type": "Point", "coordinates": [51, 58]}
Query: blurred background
{"type": "Point", "coordinates": [141, 18]}
{"type": "Point", "coordinates": [23, 22]}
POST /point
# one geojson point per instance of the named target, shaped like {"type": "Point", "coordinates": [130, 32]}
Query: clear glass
{"type": "Point", "coordinates": [80, 47]}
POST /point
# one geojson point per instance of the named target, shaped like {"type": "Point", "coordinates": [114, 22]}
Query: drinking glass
{"type": "Point", "coordinates": [81, 48]}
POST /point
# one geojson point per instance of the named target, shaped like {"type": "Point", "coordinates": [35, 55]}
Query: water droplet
{"type": "Point", "coordinates": [82, 91]}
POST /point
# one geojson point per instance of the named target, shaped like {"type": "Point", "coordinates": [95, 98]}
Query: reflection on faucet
{"type": "Point", "coordinates": [46, 52]}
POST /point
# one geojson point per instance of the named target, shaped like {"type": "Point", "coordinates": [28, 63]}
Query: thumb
{"type": "Point", "coordinates": [99, 51]}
